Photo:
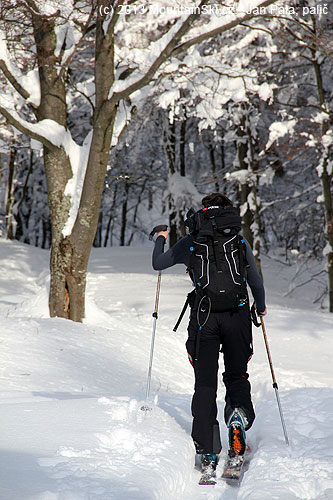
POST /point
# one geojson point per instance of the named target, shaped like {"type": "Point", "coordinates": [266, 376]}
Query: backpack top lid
{"type": "Point", "coordinates": [204, 222]}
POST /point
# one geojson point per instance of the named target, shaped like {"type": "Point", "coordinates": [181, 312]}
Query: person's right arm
{"type": "Point", "coordinates": [178, 254]}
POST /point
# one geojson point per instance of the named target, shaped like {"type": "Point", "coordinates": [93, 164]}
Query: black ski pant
{"type": "Point", "coordinates": [230, 332]}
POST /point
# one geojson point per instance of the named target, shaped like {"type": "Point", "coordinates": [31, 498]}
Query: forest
{"type": "Point", "coordinates": [119, 115]}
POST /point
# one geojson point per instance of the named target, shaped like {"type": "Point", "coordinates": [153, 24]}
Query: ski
{"type": "Point", "coordinates": [208, 474]}
{"type": "Point", "coordinates": [233, 467]}
{"type": "Point", "coordinates": [208, 479]}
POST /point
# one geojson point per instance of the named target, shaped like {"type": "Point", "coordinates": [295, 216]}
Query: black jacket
{"type": "Point", "coordinates": [180, 254]}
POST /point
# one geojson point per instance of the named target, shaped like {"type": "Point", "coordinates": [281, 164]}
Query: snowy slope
{"type": "Point", "coordinates": [71, 422]}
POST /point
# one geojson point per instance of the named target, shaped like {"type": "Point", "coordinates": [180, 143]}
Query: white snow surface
{"type": "Point", "coordinates": [71, 422]}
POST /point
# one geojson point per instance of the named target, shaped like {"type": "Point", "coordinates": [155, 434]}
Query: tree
{"type": "Point", "coordinates": [45, 37]}
{"type": "Point", "coordinates": [310, 114]}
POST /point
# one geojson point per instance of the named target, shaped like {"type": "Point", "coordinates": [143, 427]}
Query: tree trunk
{"type": "Point", "coordinates": [99, 232]}
{"type": "Point", "coordinates": [172, 224]}
{"type": "Point", "coordinates": [56, 180]}
{"type": "Point", "coordinates": [248, 192]}
{"type": "Point", "coordinates": [56, 163]}
{"type": "Point", "coordinates": [109, 229]}
{"type": "Point", "coordinates": [325, 177]}
{"type": "Point", "coordinates": [213, 164]}
{"type": "Point", "coordinates": [70, 255]}
{"type": "Point", "coordinates": [255, 204]}
{"type": "Point", "coordinates": [169, 140]}
{"type": "Point", "coordinates": [10, 194]}
{"type": "Point", "coordinates": [84, 230]}
{"type": "Point", "coordinates": [326, 181]}
{"type": "Point", "coordinates": [124, 215]}
{"type": "Point", "coordinates": [244, 189]}
{"type": "Point", "coordinates": [182, 142]}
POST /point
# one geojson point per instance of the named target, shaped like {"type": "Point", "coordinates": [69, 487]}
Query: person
{"type": "Point", "coordinates": [228, 331]}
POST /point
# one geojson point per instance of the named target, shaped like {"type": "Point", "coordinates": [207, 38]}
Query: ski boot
{"type": "Point", "coordinates": [237, 438]}
{"type": "Point", "coordinates": [237, 446]}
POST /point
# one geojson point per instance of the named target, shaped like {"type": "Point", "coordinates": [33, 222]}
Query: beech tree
{"type": "Point", "coordinates": [134, 44]}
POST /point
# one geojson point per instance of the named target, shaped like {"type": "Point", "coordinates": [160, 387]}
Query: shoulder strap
{"type": "Point", "coordinates": [242, 250]}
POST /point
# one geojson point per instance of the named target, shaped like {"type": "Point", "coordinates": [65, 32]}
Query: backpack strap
{"type": "Point", "coordinates": [216, 251]}
{"type": "Point", "coordinates": [242, 258]}
{"type": "Point", "coordinates": [182, 313]}
{"type": "Point", "coordinates": [191, 300]}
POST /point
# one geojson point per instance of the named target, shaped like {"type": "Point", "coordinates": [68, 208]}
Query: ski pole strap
{"type": "Point", "coordinates": [181, 314]}
{"type": "Point", "coordinates": [254, 316]}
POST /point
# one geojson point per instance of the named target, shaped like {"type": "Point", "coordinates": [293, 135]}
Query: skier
{"type": "Point", "coordinates": [229, 331]}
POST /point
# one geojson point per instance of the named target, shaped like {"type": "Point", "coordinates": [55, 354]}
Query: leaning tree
{"type": "Point", "coordinates": [134, 45]}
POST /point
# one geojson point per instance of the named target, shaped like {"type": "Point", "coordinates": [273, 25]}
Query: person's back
{"type": "Point", "coordinates": [217, 323]}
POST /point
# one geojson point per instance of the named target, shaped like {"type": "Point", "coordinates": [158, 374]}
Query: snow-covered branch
{"type": "Point", "coordinates": [26, 128]}
{"type": "Point", "coordinates": [10, 72]}
{"type": "Point", "coordinates": [121, 90]}
{"type": "Point", "coordinates": [13, 81]}
{"type": "Point", "coordinates": [243, 17]}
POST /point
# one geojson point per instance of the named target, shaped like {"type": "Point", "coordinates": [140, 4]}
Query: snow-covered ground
{"type": "Point", "coordinates": [71, 423]}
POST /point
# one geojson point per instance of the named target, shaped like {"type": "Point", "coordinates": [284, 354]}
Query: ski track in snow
{"type": "Point", "coordinates": [71, 422]}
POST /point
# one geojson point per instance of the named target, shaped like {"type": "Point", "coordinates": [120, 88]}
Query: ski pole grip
{"type": "Point", "coordinates": [157, 229]}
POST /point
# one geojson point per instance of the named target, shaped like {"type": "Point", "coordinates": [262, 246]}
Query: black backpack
{"type": "Point", "coordinates": [218, 259]}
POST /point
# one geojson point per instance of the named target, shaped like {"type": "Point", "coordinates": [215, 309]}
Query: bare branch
{"type": "Point", "coordinates": [288, 198]}
{"type": "Point", "coordinates": [225, 74]}
{"type": "Point", "coordinates": [257, 28]}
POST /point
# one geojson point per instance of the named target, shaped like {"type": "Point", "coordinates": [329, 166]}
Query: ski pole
{"type": "Point", "coordinates": [145, 407]}
{"type": "Point", "coordinates": [155, 316]}
{"type": "Point", "coordinates": [275, 386]}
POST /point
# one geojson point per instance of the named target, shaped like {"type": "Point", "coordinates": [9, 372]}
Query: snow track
{"type": "Point", "coordinates": [71, 422]}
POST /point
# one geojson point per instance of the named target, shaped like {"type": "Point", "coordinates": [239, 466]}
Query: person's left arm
{"type": "Point", "coordinates": [255, 281]}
